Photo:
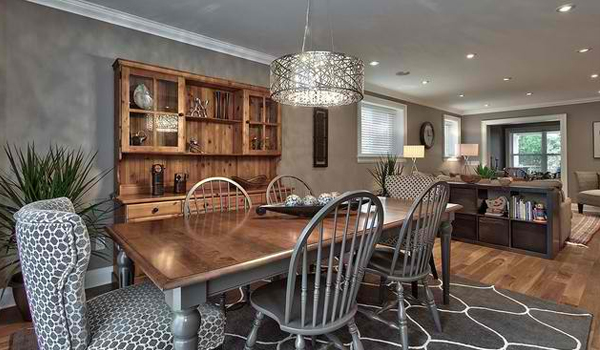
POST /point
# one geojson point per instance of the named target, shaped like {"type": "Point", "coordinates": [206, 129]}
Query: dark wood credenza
{"type": "Point", "coordinates": [528, 237]}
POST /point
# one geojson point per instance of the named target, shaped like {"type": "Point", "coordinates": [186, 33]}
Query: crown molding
{"type": "Point", "coordinates": [532, 106]}
{"type": "Point", "coordinates": [123, 19]}
{"type": "Point", "coordinates": [396, 94]}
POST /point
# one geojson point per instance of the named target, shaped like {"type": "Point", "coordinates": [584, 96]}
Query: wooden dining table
{"type": "Point", "coordinates": [191, 259]}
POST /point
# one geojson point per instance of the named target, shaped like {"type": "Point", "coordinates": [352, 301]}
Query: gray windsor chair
{"type": "Point", "coordinates": [284, 185]}
{"type": "Point", "coordinates": [342, 237]}
{"type": "Point", "coordinates": [214, 194]}
{"type": "Point", "coordinates": [408, 261]}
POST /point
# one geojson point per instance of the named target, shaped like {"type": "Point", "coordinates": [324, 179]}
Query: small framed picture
{"type": "Point", "coordinates": [596, 139]}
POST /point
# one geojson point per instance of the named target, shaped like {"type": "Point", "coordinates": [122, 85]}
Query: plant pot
{"type": "Point", "coordinates": [20, 296]}
{"type": "Point", "coordinates": [470, 179]}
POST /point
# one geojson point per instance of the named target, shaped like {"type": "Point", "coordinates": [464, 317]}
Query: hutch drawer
{"type": "Point", "coordinates": [465, 226]}
{"type": "Point", "coordinates": [153, 210]}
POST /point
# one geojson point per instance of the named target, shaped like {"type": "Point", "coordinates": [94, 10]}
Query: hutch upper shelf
{"type": "Point", "coordinates": [166, 111]}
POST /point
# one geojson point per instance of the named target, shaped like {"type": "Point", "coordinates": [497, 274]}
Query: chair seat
{"type": "Point", "coordinates": [591, 197]}
{"type": "Point", "coordinates": [382, 259]}
{"type": "Point", "coordinates": [137, 317]}
{"type": "Point", "coordinates": [270, 300]}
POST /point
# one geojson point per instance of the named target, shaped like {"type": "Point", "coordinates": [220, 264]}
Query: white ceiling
{"type": "Point", "coordinates": [524, 39]}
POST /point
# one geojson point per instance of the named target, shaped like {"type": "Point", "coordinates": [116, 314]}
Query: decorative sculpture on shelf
{"type": "Point", "coordinates": [142, 97]}
{"type": "Point", "coordinates": [539, 213]}
{"type": "Point", "coordinates": [194, 146]}
{"type": "Point", "coordinates": [496, 206]}
{"type": "Point", "coordinates": [199, 108]}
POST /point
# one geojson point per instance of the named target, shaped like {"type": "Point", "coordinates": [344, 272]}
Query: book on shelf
{"type": "Point", "coordinates": [522, 209]}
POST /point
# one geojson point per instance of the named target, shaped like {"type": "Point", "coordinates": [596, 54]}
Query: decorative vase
{"type": "Point", "coordinates": [20, 295]}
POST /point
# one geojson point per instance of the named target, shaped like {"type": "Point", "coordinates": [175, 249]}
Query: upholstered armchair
{"type": "Point", "coordinates": [54, 248]}
{"type": "Point", "coordinates": [588, 189]}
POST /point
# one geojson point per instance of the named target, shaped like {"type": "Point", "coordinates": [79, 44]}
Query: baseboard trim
{"type": "Point", "coordinates": [586, 208]}
{"type": "Point", "coordinates": [93, 278]}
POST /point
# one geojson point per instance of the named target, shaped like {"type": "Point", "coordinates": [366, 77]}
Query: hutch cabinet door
{"type": "Point", "coordinates": [152, 111]}
{"type": "Point", "coordinates": [262, 117]}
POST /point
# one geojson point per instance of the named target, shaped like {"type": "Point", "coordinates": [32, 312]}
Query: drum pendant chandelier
{"type": "Point", "coordinates": [317, 78]}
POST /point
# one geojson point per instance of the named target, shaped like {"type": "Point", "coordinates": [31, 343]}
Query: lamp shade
{"type": "Point", "coordinates": [414, 151]}
{"type": "Point", "coordinates": [469, 149]}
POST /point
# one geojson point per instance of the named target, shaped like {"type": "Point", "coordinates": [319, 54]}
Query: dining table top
{"type": "Point", "coordinates": [180, 251]}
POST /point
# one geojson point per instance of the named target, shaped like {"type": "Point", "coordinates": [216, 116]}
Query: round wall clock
{"type": "Point", "coordinates": [427, 135]}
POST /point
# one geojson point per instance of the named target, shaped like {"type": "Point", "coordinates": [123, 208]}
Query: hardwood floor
{"type": "Point", "coordinates": [572, 278]}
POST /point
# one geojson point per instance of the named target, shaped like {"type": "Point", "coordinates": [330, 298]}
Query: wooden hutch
{"type": "Point", "coordinates": [240, 135]}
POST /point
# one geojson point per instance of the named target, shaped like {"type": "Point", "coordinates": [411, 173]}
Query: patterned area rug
{"type": "Point", "coordinates": [583, 228]}
{"type": "Point", "coordinates": [478, 317]}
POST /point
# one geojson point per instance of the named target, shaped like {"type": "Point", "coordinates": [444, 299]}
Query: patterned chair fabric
{"type": "Point", "coordinates": [407, 187]}
{"type": "Point", "coordinates": [54, 248]}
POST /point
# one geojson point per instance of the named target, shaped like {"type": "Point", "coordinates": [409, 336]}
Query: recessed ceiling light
{"type": "Point", "coordinates": [594, 76]}
{"type": "Point", "coordinates": [486, 105]}
{"type": "Point", "coordinates": [471, 55]}
{"type": "Point", "coordinates": [565, 8]}
{"type": "Point", "coordinates": [425, 82]}
{"type": "Point", "coordinates": [373, 63]}
{"type": "Point", "coordinates": [529, 93]}
{"type": "Point", "coordinates": [461, 95]}
{"type": "Point", "coordinates": [507, 78]}
{"type": "Point", "coordinates": [585, 50]}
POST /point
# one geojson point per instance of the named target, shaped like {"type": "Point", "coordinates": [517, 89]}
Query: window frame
{"type": "Point", "coordinates": [459, 122]}
{"type": "Point", "coordinates": [375, 101]}
{"type": "Point", "coordinates": [544, 151]}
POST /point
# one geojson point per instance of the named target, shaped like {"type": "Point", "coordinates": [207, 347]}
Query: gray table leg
{"type": "Point", "coordinates": [186, 319]}
{"type": "Point", "coordinates": [185, 325]}
{"type": "Point", "coordinates": [126, 268]}
{"type": "Point", "coordinates": [446, 232]}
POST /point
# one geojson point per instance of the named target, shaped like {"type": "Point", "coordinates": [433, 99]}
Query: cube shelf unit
{"type": "Point", "coordinates": [240, 135]}
{"type": "Point", "coordinates": [528, 237]}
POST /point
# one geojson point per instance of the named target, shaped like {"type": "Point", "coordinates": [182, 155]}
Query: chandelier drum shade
{"type": "Point", "coordinates": [314, 78]}
{"type": "Point", "coordinates": [317, 79]}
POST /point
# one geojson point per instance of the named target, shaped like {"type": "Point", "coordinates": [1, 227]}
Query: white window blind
{"type": "Point", "coordinates": [381, 130]}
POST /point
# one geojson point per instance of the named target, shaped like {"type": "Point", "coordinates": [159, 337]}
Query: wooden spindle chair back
{"type": "Point", "coordinates": [418, 232]}
{"type": "Point", "coordinates": [340, 261]}
{"type": "Point", "coordinates": [284, 185]}
{"type": "Point", "coordinates": [216, 194]}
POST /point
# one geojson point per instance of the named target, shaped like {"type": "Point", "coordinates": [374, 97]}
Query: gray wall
{"type": "Point", "coordinates": [344, 172]}
{"type": "Point", "coordinates": [56, 77]}
{"type": "Point", "coordinates": [579, 132]}
{"type": "Point", "coordinates": [56, 86]}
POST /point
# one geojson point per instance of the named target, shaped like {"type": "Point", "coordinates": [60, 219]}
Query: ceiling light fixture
{"type": "Point", "coordinates": [529, 93]}
{"type": "Point", "coordinates": [594, 76]}
{"type": "Point", "coordinates": [507, 78]}
{"type": "Point", "coordinates": [565, 8]}
{"type": "Point", "coordinates": [374, 63]}
{"type": "Point", "coordinates": [317, 78]}
{"type": "Point", "coordinates": [425, 82]}
{"type": "Point", "coordinates": [471, 55]}
{"type": "Point", "coordinates": [585, 50]}
{"type": "Point", "coordinates": [461, 95]}
{"type": "Point", "coordinates": [486, 105]}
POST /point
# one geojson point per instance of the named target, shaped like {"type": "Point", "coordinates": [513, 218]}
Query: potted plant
{"type": "Point", "coordinates": [60, 172]}
{"type": "Point", "coordinates": [486, 173]}
{"type": "Point", "coordinates": [385, 167]}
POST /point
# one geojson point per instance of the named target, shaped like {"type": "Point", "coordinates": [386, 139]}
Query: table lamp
{"type": "Point", "coordinates": [414, 152]}
{"type": "Point", "coordinates": [467, 150]}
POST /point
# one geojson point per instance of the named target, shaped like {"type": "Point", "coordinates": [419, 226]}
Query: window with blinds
{"type": "Point", "coordinates": [381, 130]}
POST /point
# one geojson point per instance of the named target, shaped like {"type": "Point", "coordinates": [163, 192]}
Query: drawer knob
{"type": "Point", "coordinates": [155, 210]}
